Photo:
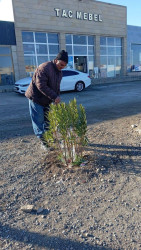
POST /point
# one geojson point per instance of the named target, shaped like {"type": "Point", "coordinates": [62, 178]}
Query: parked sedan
{"type": "Point", "coordinates": [71, 80]}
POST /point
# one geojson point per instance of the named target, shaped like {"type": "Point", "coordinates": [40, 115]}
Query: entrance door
{"type": "Point", "coordinates": [80, 63]}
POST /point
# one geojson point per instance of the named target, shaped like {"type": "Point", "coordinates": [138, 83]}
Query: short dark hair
{"type": "Point", "coordinates": [62, 55]}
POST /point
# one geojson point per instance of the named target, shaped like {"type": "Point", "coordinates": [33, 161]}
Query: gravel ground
{"type": "Point", "coordinates": [95, 206]}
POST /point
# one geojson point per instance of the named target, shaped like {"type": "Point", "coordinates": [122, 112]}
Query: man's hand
{"type": "Point", "coordinates": [57, 100]}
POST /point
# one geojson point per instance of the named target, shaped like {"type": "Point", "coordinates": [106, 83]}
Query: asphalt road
{"type": "Point", "coordinates": [102, 102]}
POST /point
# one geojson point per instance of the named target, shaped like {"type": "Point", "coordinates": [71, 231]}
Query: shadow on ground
{"type": "Point", "coordinates": [112, 112]}
{"type": "Point", "coordinates": [118, 157]}
{"type": "Point", "coordinates": [41, 240]}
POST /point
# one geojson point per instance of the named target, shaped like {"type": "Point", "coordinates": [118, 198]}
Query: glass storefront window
{"type": "Point", "coordinates": [118, 65]}
{"type": "Point", "coordinates": [80, 63]}
{"type": "Point", "coordinates": [81, 52]}
{"type": "Point", "coordinates": [40, 37]}
{"type": "Point", "coordinates": [118, 41]}
{"type": "Point", "coordinates": [79, 39]}
{"type": "Point", "coordinates": [111, 60]}
{"type": "Point", "coordinates": [53, 38]}
{"type": "Point", "coordinates": [118, 60]}
{"type": "Point", "coordinates": [51, 58]}
{"type": "Point", "coordinates": [103, 50]}
{"type": "Point", "coordinates": [29, 48]}
{"type": "Point", "coordinates": [68, 39]}
{"type": "Point", "coordinates": [70, 62]}
{"type": "Point", "coordinates": [111, 51]}
{"type": "Point", "coordinates": [6, 66]}
{"type": "Point", "coordinates": [27, 37]}
{"type": "Point", "coordinates": [53, 49]}
{"type": "Point", "coordinates": [118, 70]}
{"type": "Point", "coordinates": [118, 51]}
{"type": "Point", "coordinates": [110, 41]}
{"type": "Point", "coordinates": [135, 57]}
{"type": "Point", "coordinates": [102, 40]}
{"type": "Point", "coordinates": [4, 51]}
{"type": "Point", "coordinates": [41, 49]}
{"type": "Point", "coordinates": [91, 40]}
{"type": "Point", "coordinates": [110, 55]}
{"type": "Point", "coordinates": [90, 50]}
{"type": "Point", "coordinates": [91, 62]}
{"type": "Point", "coordinates": [69, 49]}
{"type": "Point", "coordinates": [30, 63]}
{"type": "Point", "coordinates": [5, 62]}
{"type": "Point", "coordinates": [103, 66]}
{"type": "Point", "coordinates": [103, 60]}
{"type": "Point", "coordinates": [42, 59]}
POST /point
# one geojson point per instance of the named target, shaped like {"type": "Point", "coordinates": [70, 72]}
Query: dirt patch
{"type": "Point", "coordinates": [95, 206]}
{"type": "Point", "coordinates": [54, 168]}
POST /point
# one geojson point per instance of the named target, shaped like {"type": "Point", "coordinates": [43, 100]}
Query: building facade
{"type": "Point", "coordinates": [94, 34]}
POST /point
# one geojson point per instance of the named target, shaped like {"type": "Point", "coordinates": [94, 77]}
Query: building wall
{"type": "Point", "coordinates": [40, 15]}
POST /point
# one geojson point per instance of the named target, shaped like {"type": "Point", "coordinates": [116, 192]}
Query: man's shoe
{"type": "Point", "coordinates": [44, 147]}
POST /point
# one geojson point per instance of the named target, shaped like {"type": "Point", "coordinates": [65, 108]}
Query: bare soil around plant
{"type": "Point", "coordinates": [93, 206]}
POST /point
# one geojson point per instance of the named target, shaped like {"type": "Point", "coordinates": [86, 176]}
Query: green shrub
{"type": "Point", "coordinates": [67, 131]}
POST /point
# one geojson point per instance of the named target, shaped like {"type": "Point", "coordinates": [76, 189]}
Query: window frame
{"type": "Point", "coordinates": [34, 43]}
{"type": "Point", "coordinates": [87, 45]}
{"type": "Point", "coordinates": [106, 47]}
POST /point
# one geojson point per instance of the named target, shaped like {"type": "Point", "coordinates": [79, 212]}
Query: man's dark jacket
{"type": "Point", "coordinates": [45, 85]}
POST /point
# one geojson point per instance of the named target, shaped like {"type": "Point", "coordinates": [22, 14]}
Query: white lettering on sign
{"type": "Point", "coordinates": [64, 14]}
{"type": "Point", "coordinates": [79, 15]}
{"type": "Point", "coordinates": [85, 16]}
{"type": "Point", "coordinates": [90, 17]}
{"type": "Point", "coordinates": [95, 17]}
{"type": "Point", "coordinates": [100, 18]}
{"type": "Point", "coordinates": [70, 14]}
{"type": "Point", "coordinates": [57, 12]}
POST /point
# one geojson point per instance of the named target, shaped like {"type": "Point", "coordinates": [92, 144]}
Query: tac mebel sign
{"type": "Point", "coordinates": [78, 15]}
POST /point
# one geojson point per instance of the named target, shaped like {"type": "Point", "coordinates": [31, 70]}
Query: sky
{"type": "Point", "coordinates": [133, 10]}
{"type": "Point", "coordinates": [6, 10]}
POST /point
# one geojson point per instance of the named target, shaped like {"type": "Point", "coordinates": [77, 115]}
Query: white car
{"type": "Point", "coordinates": [71, 80]}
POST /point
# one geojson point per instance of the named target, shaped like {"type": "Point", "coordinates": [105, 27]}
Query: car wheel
{"type": "Point", "coordinates": [79, 86]}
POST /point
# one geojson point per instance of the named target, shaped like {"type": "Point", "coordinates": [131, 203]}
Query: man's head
{"type": "Point", "coordinates": [61, 60]}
